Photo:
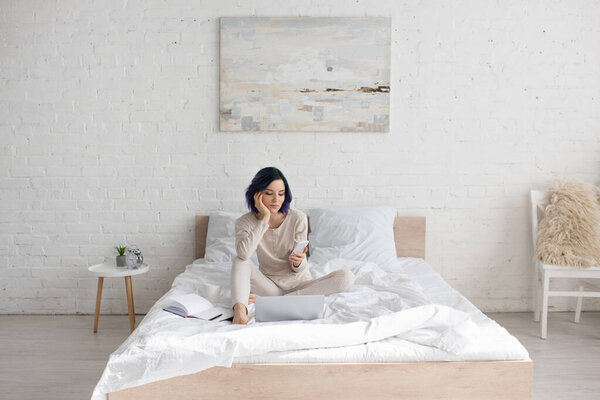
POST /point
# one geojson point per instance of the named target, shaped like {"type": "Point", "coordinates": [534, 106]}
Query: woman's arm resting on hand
{"type": "Point", "coordinates": [248, 235]}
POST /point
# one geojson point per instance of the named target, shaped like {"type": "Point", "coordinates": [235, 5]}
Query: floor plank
{"type": "Point", "coordinates": [566, 365]}
{"type": "Point", "coordinates": [59, 357]}
{"type": "Point", "coordinates": [56, 357]}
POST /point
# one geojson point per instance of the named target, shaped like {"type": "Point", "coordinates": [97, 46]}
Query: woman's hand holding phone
{"type": "Point", "coordinates": [263, 211]}
{"type": "Point", "coordinates": [296, 257]}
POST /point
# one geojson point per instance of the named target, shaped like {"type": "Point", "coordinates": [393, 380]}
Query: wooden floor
{"type": "Point", "coordinates": [58, 357]}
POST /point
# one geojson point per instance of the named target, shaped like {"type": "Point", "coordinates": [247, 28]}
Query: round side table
{"type": "Point", "coordinates": [106, 270]}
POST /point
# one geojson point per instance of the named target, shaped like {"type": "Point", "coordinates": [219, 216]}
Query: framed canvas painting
{"type": "Point", "coordinates": [305, 74]}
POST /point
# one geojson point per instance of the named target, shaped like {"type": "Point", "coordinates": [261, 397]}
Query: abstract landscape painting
{"type": "Point", "coordinates": [305, 74]}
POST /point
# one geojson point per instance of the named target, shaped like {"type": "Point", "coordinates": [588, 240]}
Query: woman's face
{"type": "Point", "coordinates": [274, 195]}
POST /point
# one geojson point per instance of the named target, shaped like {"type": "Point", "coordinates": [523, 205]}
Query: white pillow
{"type": "Point", "coordinates": [220, 237]}
{"type": "Point", "coordinates": [354, 233]}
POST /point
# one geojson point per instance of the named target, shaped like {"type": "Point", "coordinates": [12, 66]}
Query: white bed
{"type": "Point", "coordinates": [158, 350]}
{"type": "Point", "coordinates": [393, 335]}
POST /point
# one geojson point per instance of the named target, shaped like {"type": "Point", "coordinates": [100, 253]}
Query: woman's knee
{"type": "Point", "coordinates": [238, 260]}
{"type": "Point", "coordinates": [238, 263]}
{"type": "Point", "coordinates": [345, 279]}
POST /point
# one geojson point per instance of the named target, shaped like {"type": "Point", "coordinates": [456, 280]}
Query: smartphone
{"type": "Point", "coordinates": [300, 246]}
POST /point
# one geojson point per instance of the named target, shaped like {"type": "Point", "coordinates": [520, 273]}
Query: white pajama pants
{"type": "Point", "coordinates": [246, 278]}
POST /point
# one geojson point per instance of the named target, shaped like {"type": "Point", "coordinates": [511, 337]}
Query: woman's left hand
{"type": "Point", "coordinates": [296, 258]}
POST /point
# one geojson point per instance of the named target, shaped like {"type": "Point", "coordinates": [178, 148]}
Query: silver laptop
{"type": "Point", "coordinates": [286, 308]}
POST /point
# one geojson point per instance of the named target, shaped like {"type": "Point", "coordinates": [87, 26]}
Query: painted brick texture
{"type": "Point", "coordinates": [109, 134]}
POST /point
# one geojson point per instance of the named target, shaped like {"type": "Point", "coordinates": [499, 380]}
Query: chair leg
{"type": "Point", "coordinates": [546, 289]}
{"type": "Point", "coordinates": [578, 309]}
{"type": "Point", "coordinates": [538, 293]}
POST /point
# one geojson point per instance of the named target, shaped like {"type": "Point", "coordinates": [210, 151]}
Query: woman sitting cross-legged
{"type": "Point", "coordinates": [272, 229]}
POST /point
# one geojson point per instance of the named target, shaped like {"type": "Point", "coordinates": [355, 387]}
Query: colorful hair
{"type": "Point", "coordinates": [261, 180]}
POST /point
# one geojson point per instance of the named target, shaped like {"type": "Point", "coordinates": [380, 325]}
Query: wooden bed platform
{"type": "Point", "coordinates": [463, 380]}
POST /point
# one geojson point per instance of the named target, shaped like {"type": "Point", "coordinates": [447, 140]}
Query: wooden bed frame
{"type": "Point", "coordinates": [464, 380]}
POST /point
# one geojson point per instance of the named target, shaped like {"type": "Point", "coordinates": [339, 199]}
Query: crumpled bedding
{"type": "Point", "coordinates": [386, 317]}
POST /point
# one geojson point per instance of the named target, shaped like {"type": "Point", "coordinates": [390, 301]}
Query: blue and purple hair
{"type": "Point", "coordinates": [261, 180]}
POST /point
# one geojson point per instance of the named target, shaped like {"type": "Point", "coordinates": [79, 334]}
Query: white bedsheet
{"type": "Point", "coordinates": [387, 317]}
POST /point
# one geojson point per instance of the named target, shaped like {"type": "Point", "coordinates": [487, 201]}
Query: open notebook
{"type": "Point", "coordinates": [193, 306]}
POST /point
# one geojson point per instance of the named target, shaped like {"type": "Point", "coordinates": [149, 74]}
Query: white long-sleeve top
{"type": "Point", "coordinates": [274, 246]}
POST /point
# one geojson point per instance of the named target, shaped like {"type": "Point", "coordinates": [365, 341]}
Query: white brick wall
{"type": "Point", "coordinates": [109, 134]}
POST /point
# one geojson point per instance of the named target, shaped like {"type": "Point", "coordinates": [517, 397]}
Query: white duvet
{"type": "Point", "coordinates": [386, 317]}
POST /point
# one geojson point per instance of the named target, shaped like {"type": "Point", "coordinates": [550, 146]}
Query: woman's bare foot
{"type": "Point", "coordinates": [240, 314]}
{"type": "Point", "coordinates": [252, 297]}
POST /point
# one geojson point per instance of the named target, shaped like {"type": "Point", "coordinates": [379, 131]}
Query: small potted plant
{"type": "Point", "coordinates": [121, 257]}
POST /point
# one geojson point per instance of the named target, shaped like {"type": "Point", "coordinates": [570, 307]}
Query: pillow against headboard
{"type": "Point", "coordinates": [220, 237]}
{"type": "Point", "coordinates": [359, 233]}
{"type": "Point", "coordinates": [354, 233]}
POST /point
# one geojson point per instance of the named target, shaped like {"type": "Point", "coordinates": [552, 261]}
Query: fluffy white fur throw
{"type": "Point", "coordinates": [569, 234]}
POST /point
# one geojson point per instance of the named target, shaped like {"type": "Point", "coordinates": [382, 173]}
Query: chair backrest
{"type": "Point", "coordinates": [538, 203]}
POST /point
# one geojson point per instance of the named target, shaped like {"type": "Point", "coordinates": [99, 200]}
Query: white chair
{"type": "Point", "coordinates": [544, 272]}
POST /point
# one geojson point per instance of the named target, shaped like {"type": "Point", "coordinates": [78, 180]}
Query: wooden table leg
{"type": "Point", "coordinates": [98, 299]}
{"type": "Point", "coordinates": [129, 289]}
